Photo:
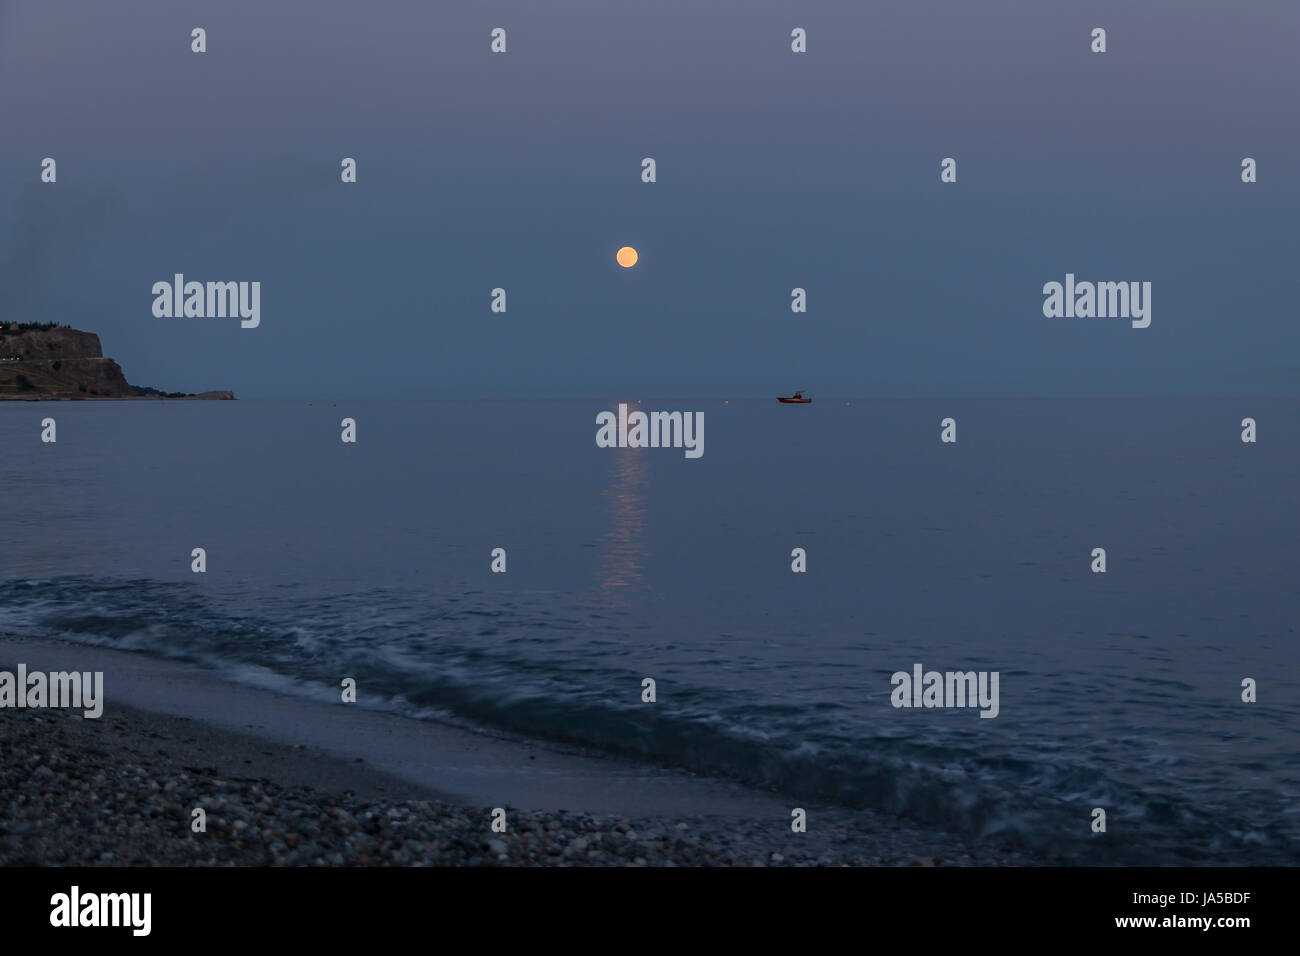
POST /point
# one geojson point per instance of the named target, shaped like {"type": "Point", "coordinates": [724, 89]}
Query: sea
{"type": "Point", "coordinates": [1120, 690]}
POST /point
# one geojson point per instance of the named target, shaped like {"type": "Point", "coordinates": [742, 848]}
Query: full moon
{"type": "Point", "coordinates": [626, 257]}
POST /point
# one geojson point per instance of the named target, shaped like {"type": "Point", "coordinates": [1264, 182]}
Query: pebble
{"type": "Point", "coordinates": [111, 809]}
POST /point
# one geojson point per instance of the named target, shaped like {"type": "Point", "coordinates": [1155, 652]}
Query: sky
{"type": "Point", "coordinates": [775, 170]}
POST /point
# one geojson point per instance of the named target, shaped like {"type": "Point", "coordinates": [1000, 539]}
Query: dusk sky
{"type": "Point", "coordinates": [775, 170]}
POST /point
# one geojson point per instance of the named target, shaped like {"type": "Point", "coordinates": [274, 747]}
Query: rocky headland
{"type": "Point", "coordinates": [39, 362]}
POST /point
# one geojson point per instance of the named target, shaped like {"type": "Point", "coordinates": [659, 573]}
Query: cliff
{"type": "Point", "coordinates": [38, 362]}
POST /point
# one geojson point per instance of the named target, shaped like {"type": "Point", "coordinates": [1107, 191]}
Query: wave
{"type": "Point", "coordinates": [549, 667]}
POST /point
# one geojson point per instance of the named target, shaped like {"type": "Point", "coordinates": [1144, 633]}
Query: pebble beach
{"type": "Point", "coordinates": [121, 791]}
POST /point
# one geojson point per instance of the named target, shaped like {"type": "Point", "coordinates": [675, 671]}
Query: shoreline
{"type": "Point", "coordinates": [201, 397]}
{"type": "Point", "coordinates": [287, 781]}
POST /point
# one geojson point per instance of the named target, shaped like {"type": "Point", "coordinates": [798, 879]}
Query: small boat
{"type": "Point", "coordinates": [795, 399]}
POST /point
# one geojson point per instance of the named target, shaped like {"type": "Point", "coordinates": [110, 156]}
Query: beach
{"type": "Point", "coordinates": [653, 651]}
{"type": "Point", "coordinates": [288, 782]}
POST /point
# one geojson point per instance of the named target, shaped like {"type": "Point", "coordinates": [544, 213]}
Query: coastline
{"type": "Point", "coordinates": [216, 396]}
{"type": "Point", "coordinates": [288, 781]}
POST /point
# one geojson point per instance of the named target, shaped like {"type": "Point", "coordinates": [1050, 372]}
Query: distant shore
{"type": "Point", "coordinates": [121, 790]}
{"type": "Point", "coordinates": [218, 396]}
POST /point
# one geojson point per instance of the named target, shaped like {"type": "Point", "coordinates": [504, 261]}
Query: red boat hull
{"type": "Point", "coordinates": [794, 401]}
